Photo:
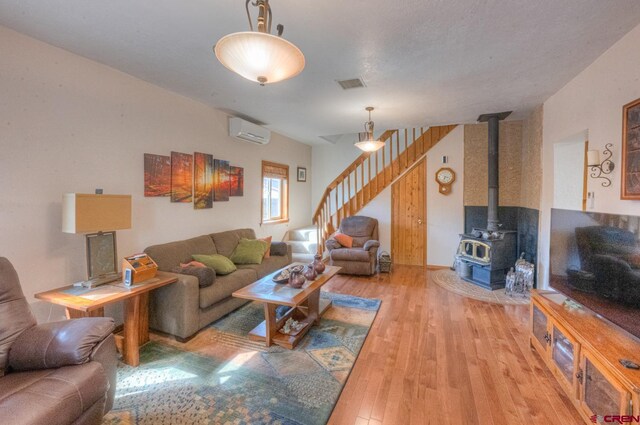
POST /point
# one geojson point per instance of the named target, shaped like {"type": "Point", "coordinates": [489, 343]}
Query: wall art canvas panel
{"type": "Point", "coordinates": [220, 180]}
{"type": "Point", "coordinates": [202, 180]}
{"type": "Point", "coordinates": [631, 151]}
{"type": "Point", "coordinates": [236, 181]}
{"type": "Point", "coordinates": [181, 177]}
{"type": "Point", "coordinates": [157, 175]}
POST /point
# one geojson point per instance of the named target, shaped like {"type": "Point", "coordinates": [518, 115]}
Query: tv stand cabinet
{"type": "Point", "coordinates": [583, 352]}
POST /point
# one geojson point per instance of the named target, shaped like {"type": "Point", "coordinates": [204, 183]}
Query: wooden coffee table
{"type": "Point", "coordinates": [305, 303]}
{"type": "Point", "coordinates": [83, 302]}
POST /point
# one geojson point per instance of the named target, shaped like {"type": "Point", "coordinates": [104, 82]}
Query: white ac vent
{"type": "Point", "coordinates": [248, 131]}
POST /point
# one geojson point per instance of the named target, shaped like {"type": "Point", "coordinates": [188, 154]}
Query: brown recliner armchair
{"type": "Point", "coordinates": [362, 257]}
{"type": "Point", "coordinates": [54, 373]}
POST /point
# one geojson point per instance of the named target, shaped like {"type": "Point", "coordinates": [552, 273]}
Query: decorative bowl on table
{"type": "Point", "coordinates": [283, 276]}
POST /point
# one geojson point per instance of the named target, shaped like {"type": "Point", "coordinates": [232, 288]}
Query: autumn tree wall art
{"type": "Point", "coordinates": [236, 181]}
{"type": "Point", "coordinates": [157, 175]}
{"type": "Point", "coordinates": [220, 180]}
{"type": "Point", "coordinates": [202, 180]}
{"type": "Point", "coordinates": [181, 177]}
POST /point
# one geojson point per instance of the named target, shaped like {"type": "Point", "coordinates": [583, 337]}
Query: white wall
{"type": "Point", "coordinates": [445, 214]}
{"type": "Point", "coordinates": [380, 208]}
{"type": "Point", "coordinates": [327, 162]}
{"type": "Point", "coordinates": [72, 125]}
{"type": "Point", "coordinates": [568, 175]}
{"type": "Point", "coordinates": [592, 101]}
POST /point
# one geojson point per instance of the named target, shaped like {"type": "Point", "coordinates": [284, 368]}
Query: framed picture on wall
{"type": "Point", "coordinates": [302, 174]}
{"type": "Point", "coordinates": [630, 188]}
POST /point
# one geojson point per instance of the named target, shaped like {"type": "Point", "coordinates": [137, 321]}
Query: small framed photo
{"type": "Point", "coordinates": [302, 174]}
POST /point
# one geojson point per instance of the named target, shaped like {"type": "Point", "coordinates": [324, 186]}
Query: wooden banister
{"type": "Point", "coordinates": [350, 200]}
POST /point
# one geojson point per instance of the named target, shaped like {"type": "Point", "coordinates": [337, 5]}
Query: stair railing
{"type": "Point", "coordinates": [370, 174]}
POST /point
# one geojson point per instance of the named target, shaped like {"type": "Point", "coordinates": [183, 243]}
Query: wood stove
{"type": "Point", "coordinates": [490, 255]}
{"type": "Point", "coordinates": [490, 252]}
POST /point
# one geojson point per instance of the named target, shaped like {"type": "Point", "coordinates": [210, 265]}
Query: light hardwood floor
{"type": "Point", "coordinates": [434, 357]}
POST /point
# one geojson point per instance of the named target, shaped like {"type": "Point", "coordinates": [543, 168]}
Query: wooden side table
{"type": "Point", "coordinates": [84, 302]}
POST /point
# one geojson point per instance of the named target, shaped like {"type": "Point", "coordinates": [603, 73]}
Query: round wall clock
{"type": "Point", "coordinates": [445, 178]}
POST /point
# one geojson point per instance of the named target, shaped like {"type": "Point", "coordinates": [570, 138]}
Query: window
{"type": "Point", "coordinates": [275, 192]}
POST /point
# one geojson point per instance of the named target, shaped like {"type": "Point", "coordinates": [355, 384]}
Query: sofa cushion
{"type": "Point", "coordinates": [344, 240]}
{"type": "Point", "coordinates": [249, 251]}
{"type": "Point", "coordinates": [51, 396]}
{"type": "Point", "coordinates": [193, 263]}
{"type": "Point", "coordinates": [221, 264]}
{"type": "Point", "coordinates": [169, 255]}
{"type": "Point", "coordinates": [268, 239]}
{"type": "Point", "coordinates": [350, 254]}
{"type": "Point", "coordinates": [206, 275]}
{"type": "Point", "coordinates": [268, 265]}
{"type": "Point", "coordinates": [226, 242]}
{"type": "Point", "coordinates": [279, 249]}
{"type": "Point", "coordinates": [225, 286]}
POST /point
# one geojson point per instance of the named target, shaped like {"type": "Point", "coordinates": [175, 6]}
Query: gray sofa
{"type": "Point", "coordinates": [183, 308]}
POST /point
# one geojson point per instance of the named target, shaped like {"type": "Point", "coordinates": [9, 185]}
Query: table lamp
{"type": "Point", "coordinates": [98, 217]}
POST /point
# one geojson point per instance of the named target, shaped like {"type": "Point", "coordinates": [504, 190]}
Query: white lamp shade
{"type": "Point", "coordinates": [260, 57]}
{"type": "Point", "coordinates": [369, 145]}
{"type": "Point", "coordinates": [88, 213]}
{"type": "Point", "coordinates": [593, 158]}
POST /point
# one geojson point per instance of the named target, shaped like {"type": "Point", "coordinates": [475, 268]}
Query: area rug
{"type": "Point", "coordinates": [222, 377]}
{"type": "Point", "coordinates": [449, 280]}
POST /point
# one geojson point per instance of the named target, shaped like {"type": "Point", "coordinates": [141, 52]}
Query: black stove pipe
{"type": "Point", "coordinates": [493, 222]}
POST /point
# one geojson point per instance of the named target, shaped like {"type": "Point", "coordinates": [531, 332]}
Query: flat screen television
{"type": "Point", "coordinates": [595, 260]}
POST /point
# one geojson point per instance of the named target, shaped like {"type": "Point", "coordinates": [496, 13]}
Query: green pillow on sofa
{"type": "Point", "coordinates": [249, 251]}
{"type": "Point", "coordinates": [221, 264]}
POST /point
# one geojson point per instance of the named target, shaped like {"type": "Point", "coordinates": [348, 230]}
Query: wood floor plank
{"type": "Point", "coordinates": [434, 357]}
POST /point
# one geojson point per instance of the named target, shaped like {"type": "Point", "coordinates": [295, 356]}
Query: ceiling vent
{"type": "Point", "coordinates": [353, 83]}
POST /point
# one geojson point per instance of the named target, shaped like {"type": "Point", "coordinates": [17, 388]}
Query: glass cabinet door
{"type": "Point", "coordinates": [539, 324]}
{"type": "Point", "coordinates": [600, 395]}
{"type": "Point", "coordinates": [563, 352]}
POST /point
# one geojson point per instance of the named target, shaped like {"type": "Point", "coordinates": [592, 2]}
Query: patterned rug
{"type": "Point", "coordinates": [222, 377]}
{"type": "Point", "coordinates": [449, 280]}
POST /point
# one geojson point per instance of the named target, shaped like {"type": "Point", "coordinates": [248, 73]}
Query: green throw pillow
{"type": "Point", "coordinates": [249, 251]}
{"type": "Point", "coordinates": [221, 264]}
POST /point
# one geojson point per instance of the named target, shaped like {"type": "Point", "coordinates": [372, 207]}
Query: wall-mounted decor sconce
{"type": "Point", "coordinates": [600, 170]}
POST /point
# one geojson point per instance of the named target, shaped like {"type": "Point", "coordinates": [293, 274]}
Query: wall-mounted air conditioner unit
{"type": "Point", "coordinates": [247, 131]}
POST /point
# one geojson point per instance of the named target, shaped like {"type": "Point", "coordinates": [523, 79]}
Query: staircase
{"type": "Point", "coordinates": [303, 242]}
{"type": "Point", "coordinates": [370, 174]}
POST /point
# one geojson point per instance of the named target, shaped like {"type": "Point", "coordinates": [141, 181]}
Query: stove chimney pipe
{"type": "Point", "coordinates": [493, 222]}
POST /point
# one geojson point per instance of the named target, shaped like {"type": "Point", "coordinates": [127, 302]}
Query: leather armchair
{"type": "Point", "coordinates": [54, 373]}
{"type": "Point", "coordinates": [362, 257]}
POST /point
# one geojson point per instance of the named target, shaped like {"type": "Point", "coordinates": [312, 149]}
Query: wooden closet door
{"type": "Point", "coordinates": [408, 217]}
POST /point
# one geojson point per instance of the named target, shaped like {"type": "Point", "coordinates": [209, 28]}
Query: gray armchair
{"type": "Point", "coordinates": [362, 257]}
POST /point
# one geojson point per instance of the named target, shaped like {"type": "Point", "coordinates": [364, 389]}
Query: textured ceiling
{"type": "Point", "coordinates": [424, 62]}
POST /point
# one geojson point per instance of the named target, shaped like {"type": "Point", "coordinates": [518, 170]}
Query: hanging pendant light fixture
{"type": "Point", "coordinates": [259, 55]}
{"type": "Point", "coordinates": [366, 140]}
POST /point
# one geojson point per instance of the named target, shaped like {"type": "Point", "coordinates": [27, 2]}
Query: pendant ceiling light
{"type": "Point", "coordinates": [259, 55]}
{"type": "Point", "coordinates": [366, 140]}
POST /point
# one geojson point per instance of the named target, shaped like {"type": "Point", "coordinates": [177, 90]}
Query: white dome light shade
{"type": "Point", "coordinates": [259, 56]}
{"type": "Point", "coordinates": [369, 145]}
